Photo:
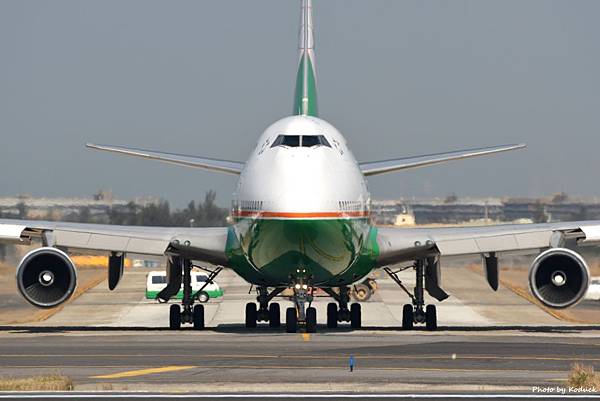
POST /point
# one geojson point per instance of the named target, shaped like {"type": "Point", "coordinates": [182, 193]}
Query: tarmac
{"type": "Point", "coordinates": [472, 304]}
{"type": "Point", "coordinates": [487, 342]}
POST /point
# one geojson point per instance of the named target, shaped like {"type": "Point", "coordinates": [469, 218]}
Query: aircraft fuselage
{"type": "Point", "coordinates": [301, 209]}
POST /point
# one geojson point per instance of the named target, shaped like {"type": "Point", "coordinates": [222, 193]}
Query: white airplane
{"type": "Point", "coordinates": [301, 220]}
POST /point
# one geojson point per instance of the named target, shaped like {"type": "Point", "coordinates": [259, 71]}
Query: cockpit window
{"type": "Point", "coordinates": [314, 140]}
{"type": "Point", "coordinates": [310, 140]}
{"type": "Point", "coordinates": [287, 140]}
{"type": "Point", "coordinates": [307, 141]}
{"type": "Point", "coordinates": [291, 140]}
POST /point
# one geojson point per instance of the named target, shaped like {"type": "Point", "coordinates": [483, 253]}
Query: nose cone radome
{"type": "Point", "coordinates": [303, 179]}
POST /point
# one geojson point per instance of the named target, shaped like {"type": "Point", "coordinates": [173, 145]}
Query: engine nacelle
{"type": "Point", "coordinates": [46, 277]}
{"type": "Point", "coordinates": [559, 278]}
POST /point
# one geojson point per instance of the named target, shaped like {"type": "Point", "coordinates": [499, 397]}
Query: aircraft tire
{"type": "Point", "coordinates": [251, 315]}
{"type": "Point", "coordinates": [408, 317]}
{"type": "Point", "coordinates": [203, 297]}
{"type": "Point", "coordinates": [332, 315]}
{"type": "Point", "coordinates": [291, 320]}
{"type": "Point", "coordinates": [355, 316]}
{"type": "Point", "coordinates": [362, 292]}
{"type": "Point", "coordinates": [175, 317]}
{"type": "Point", "coordinates": [198, 316]}
{"type": "Point", "coordinates": [431, 318]}
{"type": "Point", "coordinates": [311, 320]}
{"type": "Point", "coordinates": [274, 315]}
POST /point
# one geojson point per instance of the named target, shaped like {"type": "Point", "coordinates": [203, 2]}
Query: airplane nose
{"type": "Point", "coordinates": [302, 180]}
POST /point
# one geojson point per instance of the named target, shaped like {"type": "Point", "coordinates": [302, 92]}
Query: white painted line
{"type": "Point", "coordinates": [299, 395]}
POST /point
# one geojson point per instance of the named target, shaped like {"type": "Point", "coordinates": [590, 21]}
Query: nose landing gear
{"type": "Point", "coordinates": [300, 315]}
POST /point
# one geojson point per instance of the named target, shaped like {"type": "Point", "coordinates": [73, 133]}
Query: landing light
{"type": "Point", "coordinates": [297, 286]}
{"type": "Point", "coordinates": [304, 287]}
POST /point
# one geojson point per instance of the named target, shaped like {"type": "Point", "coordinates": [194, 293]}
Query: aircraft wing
{"type": "Point", "coordinates": [403, 244]}
{"type": "Point", "coordinates": [387, 166]}
{"type": "Point", "coordinates": [223, 166]}
{"type": "Point", "coordinates": [203, 244]}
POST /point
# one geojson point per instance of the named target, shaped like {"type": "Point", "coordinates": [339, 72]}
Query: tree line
{"type": "Point", "coordinates": [205, 213]}
{"type": "Point", "coordinates": [201, 214]}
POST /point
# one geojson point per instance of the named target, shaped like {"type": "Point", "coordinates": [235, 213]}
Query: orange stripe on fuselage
{"type": "Point", "coordinates": [292, 215]}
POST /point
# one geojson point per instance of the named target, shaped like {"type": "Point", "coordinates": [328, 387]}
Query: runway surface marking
{"type": "Point", "coordinates": [270, 367]}
{"type": "Point", "coordinates": [298, 396]}
{"type": "Point", "coordinates": [142, 372]}
{"type": "Point", "coordinates": [324, 356]}
{"type": "Point", "coordinates": [306, 336]}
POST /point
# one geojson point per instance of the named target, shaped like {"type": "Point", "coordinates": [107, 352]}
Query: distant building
{"type": "Point", "coordinates": [405, 219]}
{"type": "Point", "coordinates": [435, 211]}
{"type": "Point", "coordinates": [96, 207]}
{"type": "Point", "coordinates": [454, 210]}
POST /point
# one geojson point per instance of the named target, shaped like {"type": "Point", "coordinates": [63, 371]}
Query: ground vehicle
{"type": "Point", "coordinates": [362, 291]}
{"type": "Point", "coordinates": [157, 280]}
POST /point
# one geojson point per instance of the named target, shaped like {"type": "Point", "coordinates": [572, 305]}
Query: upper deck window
{"type": "Point", "coordinates": [306, 141]}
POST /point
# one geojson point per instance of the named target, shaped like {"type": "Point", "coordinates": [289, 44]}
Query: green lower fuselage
{"type": "Point", "coordinates": [318, 252]}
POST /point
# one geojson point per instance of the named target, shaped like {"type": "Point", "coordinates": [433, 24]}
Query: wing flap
{"type": "Point", "coordinates": [498, 243]}
{"type": "Point", "coordinates": [145, 245]}
{"type": "Point", "coordinates": [387, 166]}
{"type": "Point", "coordinates": [223, 166]}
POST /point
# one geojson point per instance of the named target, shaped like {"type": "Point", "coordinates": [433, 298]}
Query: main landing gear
{"type": "Point", "coordinates": [343, 313]}
{"type": "Point", "coordinates": [191, 313]}
{"type": "Point", "coordinates": [417, 312]}
{"type": "Point", "coordinates": [265, 312]}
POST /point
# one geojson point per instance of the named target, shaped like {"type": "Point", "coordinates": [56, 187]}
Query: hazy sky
{"type": "Point", "coordinates": [398, 78]}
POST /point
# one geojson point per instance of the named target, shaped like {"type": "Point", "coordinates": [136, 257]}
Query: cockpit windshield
{"type": "Point", "coordinates": [287, 140]}
{"type": "Point", "coordinates": [307, 141]}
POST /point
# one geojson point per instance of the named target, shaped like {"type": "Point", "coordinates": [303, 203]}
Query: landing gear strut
{"type": "Point", "coordinates": [266, 312]}
{"type": "Point", "coordinates": [300, 315]}
{"type": "Point", "coordinates": [416, 312]}
{"type": "Point", "coordinates": [343, 314]}
{"type": "Point", "coordinates": [191, 313]}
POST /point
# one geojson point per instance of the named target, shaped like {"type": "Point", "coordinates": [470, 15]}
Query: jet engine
{"type": "Point", "coordinates": [559, 278]}
{"type": "Point", "coordinates": [46, 277]}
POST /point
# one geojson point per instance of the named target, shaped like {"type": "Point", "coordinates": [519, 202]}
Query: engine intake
{"type": "Point", "coordinates": [559, 278]}
{"type": "Point", "coordinates": [46, 277]}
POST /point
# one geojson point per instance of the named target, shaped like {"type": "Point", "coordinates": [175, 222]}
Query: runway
{"type": "Point", "coordinates": [236, 360]}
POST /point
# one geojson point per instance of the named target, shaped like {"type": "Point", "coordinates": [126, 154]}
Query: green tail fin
{"type": "Point", "coordinates": [305, 98]}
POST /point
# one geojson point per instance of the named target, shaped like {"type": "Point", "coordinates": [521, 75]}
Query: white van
{"type": "Point", "coordinates": [157, 280]}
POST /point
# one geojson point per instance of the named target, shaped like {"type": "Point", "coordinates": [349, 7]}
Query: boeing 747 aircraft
{"type": "Point", "coordinates": [301, 220]}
